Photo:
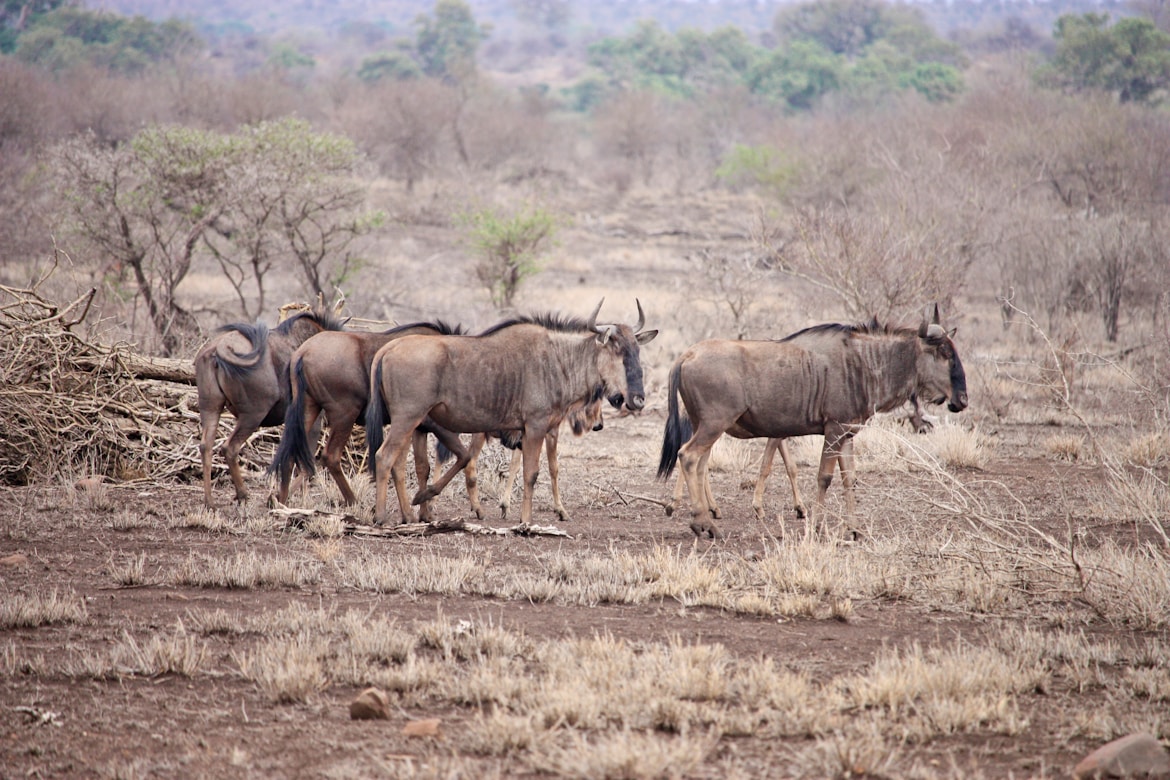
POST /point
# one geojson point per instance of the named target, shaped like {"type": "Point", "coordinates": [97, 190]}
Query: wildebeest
{"type": "Point", "coordinates": [779, 389]}
{"type": "Point", "coordinates": [330, 373]}
{"type": "Point", "coordinates": [588, 417]}
{"type": "Point", "coordinates": [827, 336]}
{"type": "Point", "coordinates": [523, 374]}
{"type": "Point", "coordinates": [243, 369]}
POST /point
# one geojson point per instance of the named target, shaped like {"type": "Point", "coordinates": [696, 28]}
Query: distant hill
{"type": "Point", "coordinates": [396, 16]}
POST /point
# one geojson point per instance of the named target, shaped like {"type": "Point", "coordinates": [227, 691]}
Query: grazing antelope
{"type": "Point", "coordinates": [779, 389]}
{"type": "Point", "coordinates": [523, 374]}
{"type": "Point", "coordinates": [242, 369]}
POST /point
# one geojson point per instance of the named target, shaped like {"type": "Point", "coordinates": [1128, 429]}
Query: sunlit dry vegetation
{"type": "Point", "coordinates": [999, 604]}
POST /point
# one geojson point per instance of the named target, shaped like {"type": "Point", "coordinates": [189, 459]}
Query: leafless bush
{"type": "Point", "coordinates": [72, 407]}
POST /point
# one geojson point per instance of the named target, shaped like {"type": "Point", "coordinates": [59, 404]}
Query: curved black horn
{"type": "Point", "coordinates": [593, 316]}
{"type": "Point", "coordinates": [641, 317]}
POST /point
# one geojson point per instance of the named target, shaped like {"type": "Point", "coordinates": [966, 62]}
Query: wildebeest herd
{"type": "Point", "coordinates": [520, 379]}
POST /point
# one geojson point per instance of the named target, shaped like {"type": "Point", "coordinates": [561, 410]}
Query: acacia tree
{"type": "Point", "coordinates": [274, 196]}
{"type": "Point", "coordinates": [509, 247]}
{"type": "Point", "coordinates": [294, 204]}
{"type": "Point", "coordinates": [144, 206]}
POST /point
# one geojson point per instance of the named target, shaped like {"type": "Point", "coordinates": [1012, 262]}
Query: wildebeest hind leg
{"type": "Point", "coordinates": [691, 457]}
{"type": "Point", "coordinates": [209, 423]}
{"type": "Point", "coordinates": [231, 450]}
{"type": "Point", "coordinates": [462, 457]}
{"type": "Point", "coordinates": [388, 462]}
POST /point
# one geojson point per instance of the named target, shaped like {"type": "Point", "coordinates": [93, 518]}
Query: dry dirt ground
{"type": "Point", "coordinates": [63, 716]}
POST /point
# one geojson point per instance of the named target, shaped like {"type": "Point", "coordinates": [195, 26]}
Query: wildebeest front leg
{"type": "Point", "coordinates": [835, 437]}
{"type": "Point", "coordinates": [531, 454]}
{"type": "Point", "coordinates": [554, 469]}
{"type": "Point", "coordinates": [762, 478]}
{"type": "Point", "coordinates": [471, 473]}
{"type": "Point", "coordinates": [848, 479]}
{"type": "Point", "coordinates": [790, 469]}
{"type": "Point", "coordinates": [510, 481]}
{"type": "Point", "coordinates": [422, 473]}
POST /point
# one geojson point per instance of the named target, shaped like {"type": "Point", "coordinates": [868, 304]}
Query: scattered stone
{"type": "Point", "coordinates": [370, 704]}
{"type": "Point", "coordinates": [14, 560]}
{"type": "Point", "coordinates": [1133, 756]}
{"type": "Point", "coordinates": [428, 727]}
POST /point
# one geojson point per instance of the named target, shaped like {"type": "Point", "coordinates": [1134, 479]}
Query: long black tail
{"type": "Point", "coordinates": [375, 417]}
{"type": "Point", "coordinates": [678, 427]}
{"type": "Point", "coordinates": [294, 444]}
{"type": "Point", "coordinates": [237, 365]}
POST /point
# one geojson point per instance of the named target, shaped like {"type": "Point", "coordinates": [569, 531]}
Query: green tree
{"type": "Point", "coordinates": [143, 207]}
{"type": "Point", "coordinates": [16, 16]}
{"type": "Point", "coordinates": [393, 65]}
{"type": "Point", "coordinates": [798, 74]}
{"type": "Point", "coordinates": [1130, 59]}
{"type": "Point", "coordinates": [276, 196]}
{"type": "Point", "coordinates": [66, 37]}
{"type": "Point", "coordinates": [446, 42]}
{"type": "Point", "coordinates": [509, 247]}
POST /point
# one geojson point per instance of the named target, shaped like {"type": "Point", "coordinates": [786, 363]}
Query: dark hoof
{"type": "Point", "coordinates": [800, 513]}
{"type": "Point", "coordinates": [669, 509]}
{"type": "Point", "coordinates": [705, 529]}
{"type": "Point", "coordinates": [423, 496]}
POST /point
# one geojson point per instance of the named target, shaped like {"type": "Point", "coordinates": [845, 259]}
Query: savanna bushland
{"type": "Point", "coordinates": [742, 169]}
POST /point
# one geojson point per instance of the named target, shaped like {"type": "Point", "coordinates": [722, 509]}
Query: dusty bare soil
{"type": "Point", "coordinates": [215, 723]}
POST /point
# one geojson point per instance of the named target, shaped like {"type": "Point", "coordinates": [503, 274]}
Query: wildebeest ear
{"type": "Point", "coordinates": [603, 333]}
{"type": "Point", "coordinates": [646, 336]}
{"type": "Point", "coordinates": [951, 333]}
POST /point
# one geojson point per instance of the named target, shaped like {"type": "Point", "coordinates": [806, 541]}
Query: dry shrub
{"type": "Point", "coordinates": [428, 573]}
{"type": "Point", "coordinates": [246, 570]}
{"type": "Point", "coordinates": [958, 447]}
{"type": "Point", "coordinates": [288, 670]}
{"type": "Point", "coordinates": [1065, 446]}
{"type": "Point", "coordinates": [1149, 451]}
{"type": "Point", "coordinates": [22, 610]}
{"type": "Point", "coordinates": [626, 754]}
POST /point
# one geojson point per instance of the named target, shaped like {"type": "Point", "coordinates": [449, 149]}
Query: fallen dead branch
{"type": "Point", "coordinates": [298, 518]}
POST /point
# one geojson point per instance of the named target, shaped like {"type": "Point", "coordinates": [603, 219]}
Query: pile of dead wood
{"type": "Point", "coordinates": [71, 408]}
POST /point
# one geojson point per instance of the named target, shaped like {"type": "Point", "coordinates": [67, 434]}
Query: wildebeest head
{"type": "Point", "coordinates": [940, 372]}
{"type": "Point", "coordinates": [618, 360]}
{"type": "Point", "coordinates": [589, 416]}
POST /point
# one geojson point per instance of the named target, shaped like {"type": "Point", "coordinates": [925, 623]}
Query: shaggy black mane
{"type": "Point", "coordinates": [441, 327]}
{"type": "Point", "coordinates": [326, 319]}
{"type": "Point", "coordinates": [840, 327]}
{"type": "Point", "coordinates": [557, 322]}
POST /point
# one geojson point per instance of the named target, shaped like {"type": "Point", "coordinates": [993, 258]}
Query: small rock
{"type": "Point", "coordinates": [16, 559]}
{"type": "Point", "coordinates": [1137, 755]}
{"type": "Point", "coordinates": [370, 704]}
{"type": "Point", "coordinates": [428, 727]}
